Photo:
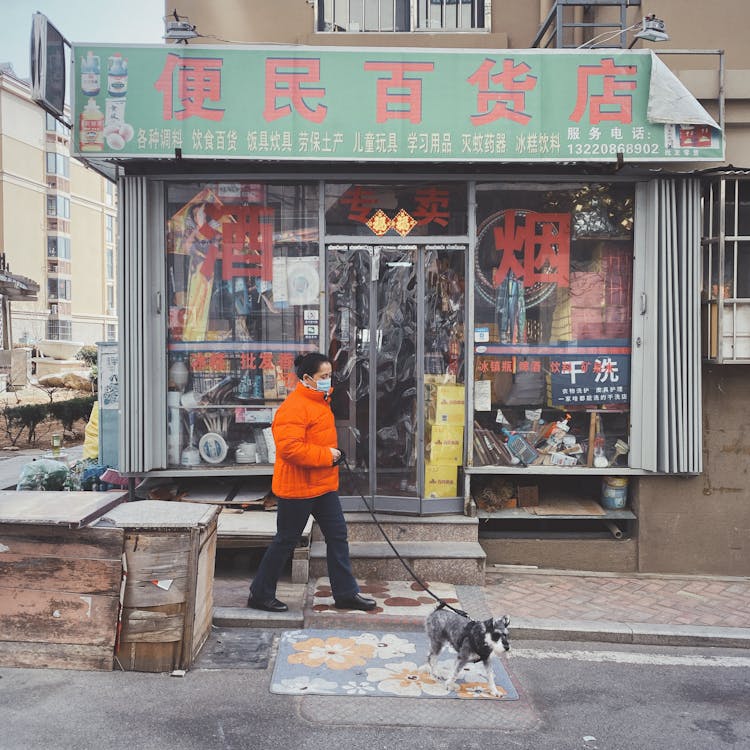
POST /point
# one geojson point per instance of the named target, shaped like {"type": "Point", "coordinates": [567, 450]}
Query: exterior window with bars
{"type": "Point", "coordinates": [59, 330]}
{"type": "Point", "coordinates": [726, 270]}
{"type": "Point", "coordinates": [58, 247]}
{"type": "Point", "coordinates": [401, 15]}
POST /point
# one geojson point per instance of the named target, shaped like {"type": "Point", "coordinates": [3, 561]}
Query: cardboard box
{"type": "Point", "coordinates": [446, 404]}
{"type": "Point", "coordinates": [440, 480]}
{"type": "Point", "coordinates": [444, 443]}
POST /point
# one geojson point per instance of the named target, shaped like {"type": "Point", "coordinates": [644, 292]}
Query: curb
{"type": "Point", "coordinates": [645, 634]}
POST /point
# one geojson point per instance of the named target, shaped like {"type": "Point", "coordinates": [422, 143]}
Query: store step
{"type": "Point", "coordinates": [443, 528]}
{"type": "Point", "coordinates": [450, 562]}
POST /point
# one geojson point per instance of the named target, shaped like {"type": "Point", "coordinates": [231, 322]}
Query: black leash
{"type": "Point", "coordinates": [441, 603]}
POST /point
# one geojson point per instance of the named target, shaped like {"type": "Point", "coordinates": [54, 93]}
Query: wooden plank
{"type": "Point", "coordinates": [148, 657]}
{"type": "Point", "coordinates": [57, 617]}
{"type": "Point", "coordinates": [61, 574]}
{"type": "Point", "coordinates": [204, 594]}
{"type": "Point", "coordinates": [71, 509]}
{"type": "Point", "coordinates": [154, 625]}
{"type": "Point", "coordinates": [91, 543]}
{"type": "Point", "coordinates": [160, 515]}
{"type": "Point", "coordinates": [156, 557]}
{"type": "Point", "coordinates": [56, 656]}
{"type": "Point", "coordinates": [186, 655]}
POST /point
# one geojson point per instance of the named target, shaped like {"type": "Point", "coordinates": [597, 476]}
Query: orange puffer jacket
{"type": "Point", "coordinates": [304, 431]}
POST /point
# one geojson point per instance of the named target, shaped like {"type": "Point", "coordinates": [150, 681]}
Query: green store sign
{"type": "Point", "coordinates": [384, 104]}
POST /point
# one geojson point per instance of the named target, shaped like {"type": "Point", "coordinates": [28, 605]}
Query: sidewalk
{"type": "Point", "coordinates": [636, 608]}
{"type": "Point", "coordinates": [641, 609]}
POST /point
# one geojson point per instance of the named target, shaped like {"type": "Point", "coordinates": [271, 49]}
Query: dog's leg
{"type": "Point", "coordinates": [432, 662]}
{"type": "Point", "coordinates": [491, 678]}
{"type": "Point", "coordinates": [460, 664]}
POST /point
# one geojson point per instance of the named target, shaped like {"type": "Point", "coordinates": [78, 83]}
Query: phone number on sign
{"type": "Point", "coordinates": [593, 149]}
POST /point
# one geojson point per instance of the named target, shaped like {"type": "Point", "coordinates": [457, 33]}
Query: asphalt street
{"type": "Point", "coordinates": [573, 696]}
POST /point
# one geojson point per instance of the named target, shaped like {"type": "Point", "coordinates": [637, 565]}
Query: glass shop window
{"type": "Point", "coordinates": [552, 325]}
{"type": "Point", "coordinates": [243, 282]}
{"type": "Point", "coordinates": [414, 210]}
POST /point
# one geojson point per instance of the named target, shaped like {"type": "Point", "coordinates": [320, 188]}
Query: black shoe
{"type": "Point", "coordinates": [356, 602]}
{"type": "Point", "coordinates": [271, 605]}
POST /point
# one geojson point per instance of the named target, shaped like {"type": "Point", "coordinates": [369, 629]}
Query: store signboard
{"type": "Point", "coordinates": [590, 380]}
{"type": "Point", "coordinates": [328, 104]}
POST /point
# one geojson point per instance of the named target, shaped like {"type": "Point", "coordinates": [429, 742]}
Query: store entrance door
{"type": "Point", "coordinates": [391, 318]}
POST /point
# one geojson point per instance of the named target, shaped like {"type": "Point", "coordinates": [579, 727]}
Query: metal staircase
{"type": "Point", "coordinates": [595, 23]}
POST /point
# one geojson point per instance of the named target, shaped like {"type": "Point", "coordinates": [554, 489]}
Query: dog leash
{"type": "Point", "coordinates": [441, 603]}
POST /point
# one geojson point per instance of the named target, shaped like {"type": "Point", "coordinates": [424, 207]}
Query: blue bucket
{"type": "Point", "coordinates": [614, 493]}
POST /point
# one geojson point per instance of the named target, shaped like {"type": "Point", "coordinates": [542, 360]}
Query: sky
{"type": "Point", "coordinates": [126, 21]}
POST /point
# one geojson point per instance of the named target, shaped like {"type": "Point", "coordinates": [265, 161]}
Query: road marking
{"type": "Point", "coordinates": [624, 657]}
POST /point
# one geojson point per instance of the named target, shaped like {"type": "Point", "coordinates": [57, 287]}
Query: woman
{"type": "Point", "coordinates": [306, 481]}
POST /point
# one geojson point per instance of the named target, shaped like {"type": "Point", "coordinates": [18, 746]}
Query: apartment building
{"type": "Point", "coordinates": [58, 226]}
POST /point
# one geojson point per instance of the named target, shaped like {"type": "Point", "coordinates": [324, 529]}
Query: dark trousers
{"type": "Point", "coordinates": [291, 518]}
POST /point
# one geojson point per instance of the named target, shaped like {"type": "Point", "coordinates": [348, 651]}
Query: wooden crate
{"type": "Point", "coordinates": [59, 582]}
{"type": "Point", "coordinates": [170, 550]}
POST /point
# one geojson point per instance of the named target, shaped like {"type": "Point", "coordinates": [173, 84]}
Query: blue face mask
{"type": "Point", "coordinates": [323, 385]}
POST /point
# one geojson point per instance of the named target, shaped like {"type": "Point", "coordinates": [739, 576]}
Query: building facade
{"type": "Point", "coordinates": [532, 285]}
{"type": "Point", "coordinates": [58, 226]}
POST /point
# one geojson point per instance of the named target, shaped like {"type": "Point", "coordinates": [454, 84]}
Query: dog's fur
{"type": "Point", "coordinates": [472, 640]}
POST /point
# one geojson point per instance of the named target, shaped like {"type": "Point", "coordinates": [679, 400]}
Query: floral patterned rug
{"type": "Point", "coordinates": [339, 662]}
{"type": "Point", "coordinates": [392, 597]}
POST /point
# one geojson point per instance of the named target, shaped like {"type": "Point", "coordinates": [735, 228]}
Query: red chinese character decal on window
{"type": "Point", "coordinates": [609, 105]}
{"type": "Point", "coordinates": [266, 361]}
{"type": "Point", "coordinates": [399, 97]}
{"type": "Point", "coordinates": [197, 79]}
{"type": "Point", "coordinates": [534, 247]}
{"type": "Point", "coordinates": [432, 206]}
{"type": "Point", "coordinates": [361, 201]}
{"type": "Point", "coordinates": [508, 99]}
{"type": "Point", "coordinates": [217, 362]}
{"type": "Point", "coordinates": [247, 361]}
{"type": "Point", "coordinates": [284, 80]}
{"type": "Point", "coordinates": [247, 248]}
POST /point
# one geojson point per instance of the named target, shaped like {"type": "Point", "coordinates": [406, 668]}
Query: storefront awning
{"type": "Point", "coordinates": [384, 105]}
{"type": "Point", "coordinates": [18, 288]}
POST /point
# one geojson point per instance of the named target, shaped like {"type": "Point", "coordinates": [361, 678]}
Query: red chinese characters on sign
{"type": "Point", "coordinates": [191, 81]}
{"type": "Point", "coordinates": [534, 247]}
{"type": "Point", "coordinates": [399, 97]}
{"type": "Point", "coordinates": [612, 103]}
{"type": "Point", "coordinates": [289, 79]}
{"type": "Point", "coordinates": [432, 206]}
{"type": "Point", "coordinates": [502, 95]}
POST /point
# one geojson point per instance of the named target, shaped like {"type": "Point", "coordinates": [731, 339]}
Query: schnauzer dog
{"type": "Point", "coordinates": [472, 640]}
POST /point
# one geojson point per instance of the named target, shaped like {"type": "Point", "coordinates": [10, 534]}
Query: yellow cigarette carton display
{"type": "Point", "coordinates": [444, 443]}
{"type": "Point", "coordinates": [440, 480]}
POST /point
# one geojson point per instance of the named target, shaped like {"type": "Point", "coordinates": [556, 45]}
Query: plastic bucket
{"type": "Point", "coordinates": [614, 493]}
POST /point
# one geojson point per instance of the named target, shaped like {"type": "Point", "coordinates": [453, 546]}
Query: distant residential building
{"type": "Point", "coordinates": [58, 225]}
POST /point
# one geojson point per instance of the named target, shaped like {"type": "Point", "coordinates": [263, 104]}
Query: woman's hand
{"type": "Point", "coordinates": [336, 454]}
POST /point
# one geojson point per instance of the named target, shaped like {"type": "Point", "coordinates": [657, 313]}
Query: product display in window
{"type": "Point", "coordinates": [552, 326]}
{"type": "Point", "coordinates": [243, 297]}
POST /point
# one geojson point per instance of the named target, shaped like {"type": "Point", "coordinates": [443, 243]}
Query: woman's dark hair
{"type": "Point", "coordinates": [309, 364]}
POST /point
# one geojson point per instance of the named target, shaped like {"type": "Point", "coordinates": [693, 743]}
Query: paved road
{"type": "Point", "coordinates": [573, 697]}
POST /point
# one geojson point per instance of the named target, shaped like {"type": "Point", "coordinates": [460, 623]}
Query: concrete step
{"type": "Point", "coordinates": [450, 562]}
{"type": "Point", "coordinates": [444, 528]}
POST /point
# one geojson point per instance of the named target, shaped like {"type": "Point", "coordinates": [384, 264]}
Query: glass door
{"type": "Point", "coordinates": [396, 331]}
